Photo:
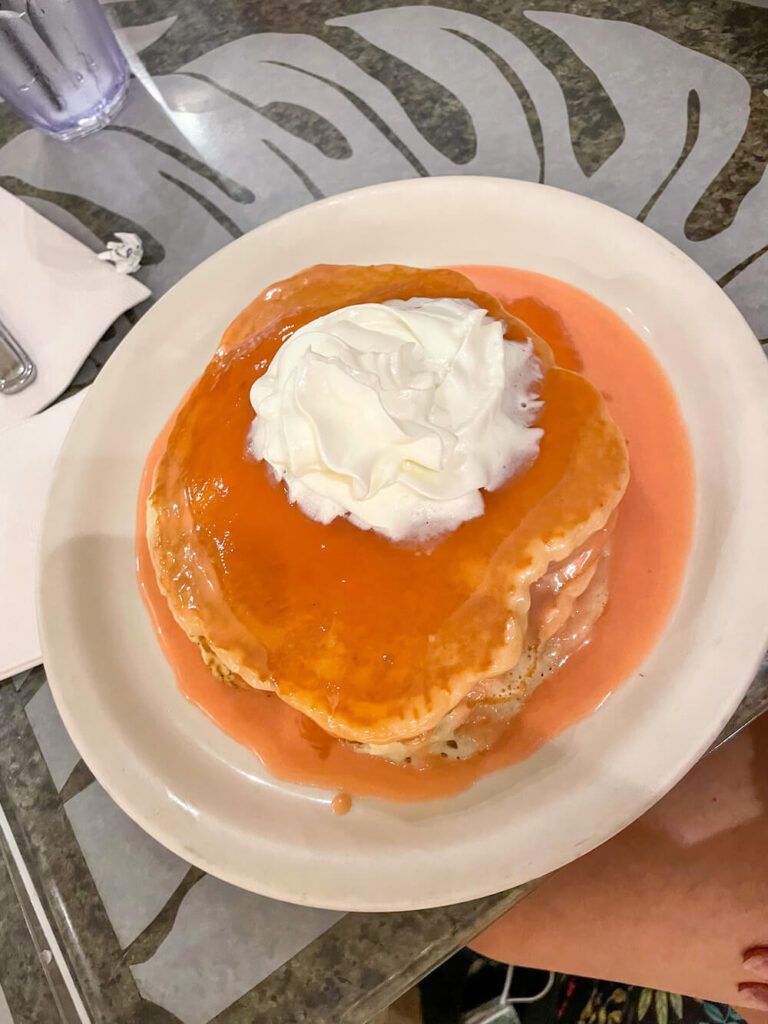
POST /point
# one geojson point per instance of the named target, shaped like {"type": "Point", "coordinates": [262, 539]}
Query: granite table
{"type": "Point", "coordinates": [240, 110]}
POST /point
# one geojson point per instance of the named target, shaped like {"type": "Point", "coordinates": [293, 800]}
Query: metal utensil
{"type": "Point", "coordinates": [17, 371]}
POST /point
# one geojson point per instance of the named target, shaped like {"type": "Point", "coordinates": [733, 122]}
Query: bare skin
{"type": "Point", "coordinates": [678, 901]}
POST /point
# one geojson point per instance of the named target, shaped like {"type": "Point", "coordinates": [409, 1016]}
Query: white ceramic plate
{"type": "Point", "coordinates": [209, 799]}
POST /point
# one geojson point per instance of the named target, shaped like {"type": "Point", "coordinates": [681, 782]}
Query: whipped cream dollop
{"type": "Point", "coordinates": [397, 414]}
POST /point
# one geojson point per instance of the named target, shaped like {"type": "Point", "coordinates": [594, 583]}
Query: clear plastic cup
{"type": "Point", "coordinates": [61, 67]}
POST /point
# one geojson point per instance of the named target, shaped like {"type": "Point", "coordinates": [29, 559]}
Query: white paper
{"type": "Point", "coordinates": [57, 298]}
{"type": "Point", "coordinates": [28, 451]}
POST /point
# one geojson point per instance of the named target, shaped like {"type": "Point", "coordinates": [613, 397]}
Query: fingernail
{"type": "Point", "coordinates": [756, 962]}
{"type": "Point", "coordinates": [753, 995]}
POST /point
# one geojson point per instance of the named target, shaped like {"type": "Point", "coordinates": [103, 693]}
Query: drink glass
{"type": "Point", "coordinates": [61, 67]}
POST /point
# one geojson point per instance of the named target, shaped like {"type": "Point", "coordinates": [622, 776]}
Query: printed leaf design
{"type": "Point", "coordinates": [661, 1003]}
{"type": "Point", "coordinates": [676, 1002]}
{"type": "Point", "coordinates": [644, 1003]}
{"type": "Point", "coordinates": [714, 1012]}
{"type": "Point", "coordinates": [261, 124]}
{"type": "Point", "coordinates": [141, 37]}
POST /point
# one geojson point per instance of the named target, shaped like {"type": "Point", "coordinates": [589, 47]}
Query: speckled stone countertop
{"type": "Point", "coordinates": [239, 111]}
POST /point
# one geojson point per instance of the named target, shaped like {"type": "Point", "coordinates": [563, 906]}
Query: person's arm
{"type": "Point", "coordinates": [675, 902]}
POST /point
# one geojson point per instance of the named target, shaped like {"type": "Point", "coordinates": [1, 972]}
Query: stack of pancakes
{"type": "Point", "coordinates": [410, 653]}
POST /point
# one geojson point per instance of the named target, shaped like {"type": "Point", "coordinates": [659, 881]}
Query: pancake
{"type": "Point", "coordinates": [377, 642]}
{"type": "Point", "coordinates": [565, 606]}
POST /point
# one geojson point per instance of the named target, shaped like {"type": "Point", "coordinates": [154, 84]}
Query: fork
{"type": "Point", "coordinates": [17, 370]}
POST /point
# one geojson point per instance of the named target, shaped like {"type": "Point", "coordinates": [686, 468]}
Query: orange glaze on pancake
{"type": "Point", "coordinates": [375, 641]}
{"type": "Point", "coordinates": [649, 552]}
